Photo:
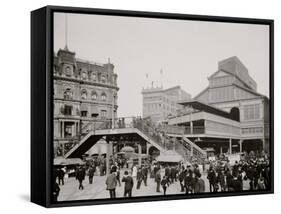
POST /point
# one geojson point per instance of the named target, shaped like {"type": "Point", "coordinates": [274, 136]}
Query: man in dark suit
{"type": "Point", "coordinates": [129, 183]}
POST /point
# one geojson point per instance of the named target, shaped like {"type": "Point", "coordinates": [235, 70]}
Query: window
{"type": "Point", "coordinates": [68, 71]}
{"type": "Point", "coordinates": [103, 113]}
{"type": "Point", "coordinates": [84, 75]}
{"type": "Point", "coordinates": [68, 94]}
{"type": "Point", "coordinates": [251, 112]}
{"type": "Point", "coordinates": [67, 110]}
{"type": "Point", "coordinates": [103, 79]}
{"type": "Point", "coordinates": [252, 130]}
{"type": "Point", "coordinates": [94, 95]}
{"type": "Point", "coordinates": [94, 76]}
{"type": "Point", "coordinates": [84, 113]}
{"type": "Point", "coordinates": [84, 95]}
{"type": "Point", "coordinates": [103, 96]}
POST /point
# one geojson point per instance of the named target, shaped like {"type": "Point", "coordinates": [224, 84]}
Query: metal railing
{"type": "Point", "coordinates": [195, 130]}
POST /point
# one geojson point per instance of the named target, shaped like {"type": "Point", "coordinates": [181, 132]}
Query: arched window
{"type": "Point", "coordinates": [84, 75]}
{"type": "Point", "coordinates": [103, 79]}
{"type": "Point", "coordinates": [94, 95]}
{"type": "Point", "coordinates": [68, 94]}
{"type": "Point", "coordinates": [68, 71]}
{"type": "Point", "coordinates": [84, 94]}
{"type": "Point", "coordinates": [94, 76]}
{"type": "Point", "coordinates": [103, 96]}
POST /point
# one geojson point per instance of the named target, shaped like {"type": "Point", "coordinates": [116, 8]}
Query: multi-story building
{"type": "Point", "coordinates": [84, 93]}
{"type": "Point", "coordinates": [229, 114]}
{"type": "Point", "coordinates": [159, 103]}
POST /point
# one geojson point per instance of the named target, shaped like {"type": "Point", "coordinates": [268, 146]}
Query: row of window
{"type": "Point", "coordinates": [152, 107]}
{"type": "Point", "coordinates": [221, 94]}
{"type": "Point", "coordinates": [96, 77]}
{"type": "Point", "coordinates": [67, 110]}
{"type": "Point", "coordinates": [68, 95]}
{"type": "Point", "coordinates": [251, 112]}
{"type": "Point", "coordinates": [252, 130]}
{"type": "Point", "coordinates": [159, 98]}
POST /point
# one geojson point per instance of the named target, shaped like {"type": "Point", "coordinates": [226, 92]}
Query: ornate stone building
{"type": "Point", "coordinates": [85, 93]}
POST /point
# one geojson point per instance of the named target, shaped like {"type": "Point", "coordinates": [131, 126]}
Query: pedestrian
{"type": "Point", "coordinates": [139, 178]}
{"type": "Point", "coordinates": [188, 182]}
{"type": "Point", "coordinates": [261, 183]}
{"type": "Point", "coordinates": [199, 185]}
{"type": "Point", "coordinates": [235, 184]}
{"type": "Point", "coordinates": [158, 180]}
{"type": "Point", "coordinates": [129, 183]}
{"type": "Point", "coordinates": [173, 174]}
{"type": "Point", "coordinates": [168, 173]}
{"type": "Point", "coordinates": [144, 172]}
{"type": "Point", "coordinates": [164, 184]}
{"type": "Point", "coordinates": [56, 191]}
{"type": "Point", "coordinates": [91, 173]}
{"type": "Point", "coordinates": [134, 171]}
{"type": "Point", "coordinates": [61, 176]}
{"type": "Point", "coordinates": [221, 180]}
{"type": "Point", "coordinates": [182, 175]}
{"type": "Point", "coordinates": [118, 176]}
{"type": "Point", "coordinates": [111, 183]}
{"type": "Point", "coordinates": [212, 178]}
{"type": "Point", "coordinates": [80, 177]}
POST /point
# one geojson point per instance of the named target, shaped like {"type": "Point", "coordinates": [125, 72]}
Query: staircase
{"type": "Point", "coordinates": [193, 151]}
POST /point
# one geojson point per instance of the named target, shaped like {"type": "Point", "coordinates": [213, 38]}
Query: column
{"type": "Point", "coordinates": [221, 150]}
{"type": "Point", "coordinates": [147, 148]}
{"type": "Point", "coordinates": [230, 146]}
{"type": "Point", "coordinates": [59, 129]}
{"type": "Point", "coordinates": [62, 133]}
{"type": "Point", "coordinates": [108, 153]}
{"type": "Point", "coordinates": [62, 149]}
{"type": "Point", "coordinates": [241, 145]}
{"type": "Point", "coordinates": [191, 150]}
{"type": "Point", "coordinates": [139, 154]}
{"type": "Point", "coordinates": [73, 130]}
{"type": "Point", "coordinates": [191, 127]}
{"type": "Point", "coordinates": [263, 144]}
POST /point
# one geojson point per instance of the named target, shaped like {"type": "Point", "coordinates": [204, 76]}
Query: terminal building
{"type": "Point", "coordinates": [229, 115]}
{"type": "Point", "coordinates": [159, 103]}
{"type": "Point", "coordinates": [85, 94]}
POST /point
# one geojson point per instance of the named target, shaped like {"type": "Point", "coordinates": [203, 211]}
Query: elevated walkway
{"type": "Point", "coordinates": [110, 134]}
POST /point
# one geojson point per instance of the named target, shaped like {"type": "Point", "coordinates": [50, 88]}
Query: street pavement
{"type": "Point", "coordinates": [97, 190]}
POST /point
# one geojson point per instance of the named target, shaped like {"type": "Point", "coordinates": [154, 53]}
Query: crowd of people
{"type": "Point", "coordinates": [220, 176]}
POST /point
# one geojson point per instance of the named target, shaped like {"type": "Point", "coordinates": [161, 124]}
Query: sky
{"type": "Point", "coordinates": [186, 51]}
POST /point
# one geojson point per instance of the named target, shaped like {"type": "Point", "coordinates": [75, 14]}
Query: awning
{"type": "Point", "coordinates": [127, 149]}
{"type": "Point", "coordinates": [170, 157]}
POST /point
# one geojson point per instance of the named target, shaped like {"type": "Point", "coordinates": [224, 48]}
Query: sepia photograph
{"type": "Point", "coordinates": [146, 107]}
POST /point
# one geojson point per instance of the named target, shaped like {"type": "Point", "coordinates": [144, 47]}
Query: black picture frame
{"type": "Point", "coordinates": [42, 101]}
